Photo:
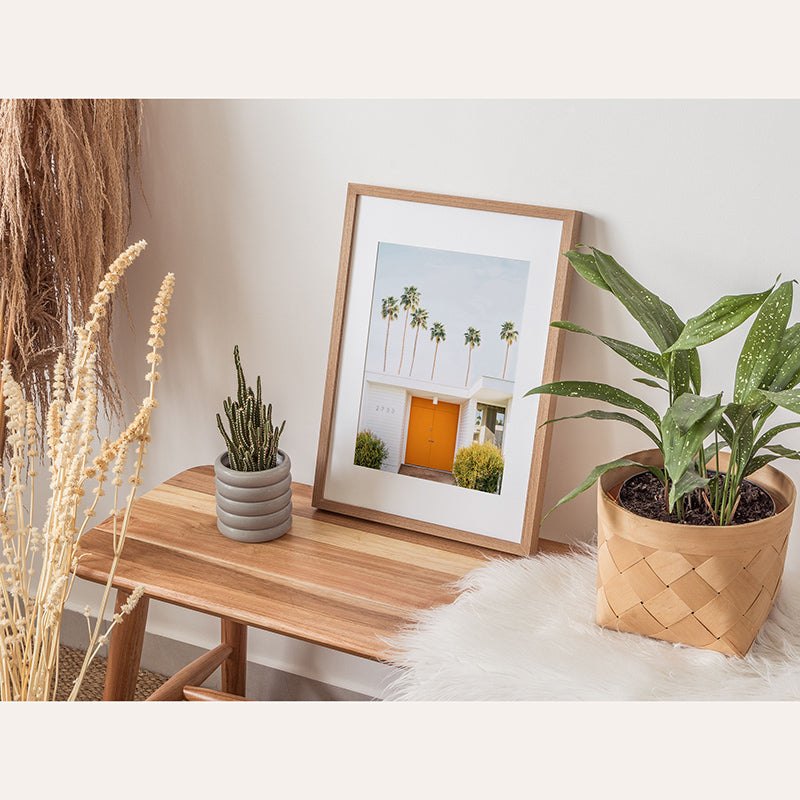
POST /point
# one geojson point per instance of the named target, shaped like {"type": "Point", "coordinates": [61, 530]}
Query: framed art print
{"type": "Point", "coordinates": [440, 327]}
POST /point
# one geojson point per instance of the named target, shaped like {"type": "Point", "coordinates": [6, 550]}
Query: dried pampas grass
{"type": "Point", "coordinates": [65, 169]}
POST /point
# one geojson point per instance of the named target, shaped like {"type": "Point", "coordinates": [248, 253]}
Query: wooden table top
{"type": "Point", "coordinates": [332, 580]}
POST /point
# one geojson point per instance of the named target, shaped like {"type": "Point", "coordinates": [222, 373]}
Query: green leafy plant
{"type": "Point", "coordinates": [767, 372]}
{"type": "Point", "coordinates": [253, 440]}
{"type": "Point", "coordinates": [479, 466]}
{"type": "Point", "coordinates": [371, 451]}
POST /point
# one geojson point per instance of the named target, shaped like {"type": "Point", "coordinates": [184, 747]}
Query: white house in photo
{"type": "Point", "coordinates": [425, 423]}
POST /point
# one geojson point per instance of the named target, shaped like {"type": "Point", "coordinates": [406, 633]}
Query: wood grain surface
{"type": "Point", "coordinates": [194, 673]}
{"type": "Point", "coordinates": [336, 581]}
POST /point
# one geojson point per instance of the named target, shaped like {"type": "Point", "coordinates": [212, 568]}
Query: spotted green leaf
{"type": "Point", "coordinates": [614, 416]}
{"type": "Point", "coordinates": [762, 342]}
{"type": "Point", "coordinates": [725, 431]}
{"type": "Point", "coordinates": [686, 484]}
{"type": "Point", "coordinates": [659, 320]}
{"type": "Point", "coordinates": [642, 359]}
{"type": "Point", "coordinates": [757, 462]}
{"type": "Point", "coordinates": [738, 414]}
{"type": "Point", "coordinates": [784, 372]}
{"type": "Point", "coordinates": [722, 317]}
{"type": "Point", "coordinates": [686, 425]}
{"type": "Point", "coordinates": [693, 357]}
{"type": "Point", "coordinates": [586, 266]}
{"type": "Point", "coordinates": [653, 384]}
{"type": "Point", "coordinates": [679, 371]}
{"type": "Point", "coordinates": [689, 409]}
{"type": "Point", "coordinates": [598, 472]}
{"type": "Point", "coordinates": [788, 398]}
{"type": "Point", "coordinates": [783, 452]}
{"type": "Point", "coordinates": [598, 391]}
{"type": "Point", "coordinates": [793, 381]}
{"type": "Point", "coordinates": [769, 435]}
{"type": "Point", "coordinates": [741, 419]}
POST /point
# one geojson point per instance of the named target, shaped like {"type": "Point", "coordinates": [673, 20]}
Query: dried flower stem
{"type": "Point", "coordinates": [30, 622]}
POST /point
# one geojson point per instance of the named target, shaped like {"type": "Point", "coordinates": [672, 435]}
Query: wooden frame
{"type": "Point", "coordinates": [511, 239]}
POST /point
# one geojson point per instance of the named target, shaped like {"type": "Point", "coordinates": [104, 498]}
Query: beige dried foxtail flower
{"type": "Point", "coordinates": [30, 616]}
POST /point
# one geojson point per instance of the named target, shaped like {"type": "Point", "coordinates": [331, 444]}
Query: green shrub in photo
{"type": "Point", "coordinates": [370, 450]}
{"type": "Point", "coordinates": [479, 466]}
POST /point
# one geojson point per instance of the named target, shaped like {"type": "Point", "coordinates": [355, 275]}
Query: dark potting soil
{"type": "Point", "coordinates": [643, 494]}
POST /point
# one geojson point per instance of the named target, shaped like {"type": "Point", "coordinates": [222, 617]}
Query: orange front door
{"type": "Point", "coordinates": [432, 430]}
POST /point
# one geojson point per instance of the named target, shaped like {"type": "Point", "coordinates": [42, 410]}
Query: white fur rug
{"type": "Point", "coordinates": [523, 629]}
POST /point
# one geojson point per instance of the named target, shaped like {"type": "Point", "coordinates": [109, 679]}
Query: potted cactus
{"type": "Point", "coordinates": [252, 476]}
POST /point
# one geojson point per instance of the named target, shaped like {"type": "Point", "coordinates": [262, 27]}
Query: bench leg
{"type": "Point", "coordinates": [125, 650]}
{"type": "Point", "coordinates": [234, 668]}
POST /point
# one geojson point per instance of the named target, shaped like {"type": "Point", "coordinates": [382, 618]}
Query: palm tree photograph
{"type": "Point", "coordinates": [419, 319]}
{"type": "Point", "coordinates": [409, 301]}
{"type": "Point", "coordinates": [438, 335]}
{"type": "Point", "coordinates": [445, 294]}
{"type": "Point", "coordinates": [390, 308]}
{"type": "Point", "coordinates": [433, 404]}
{"type": "Point", "coordinates": [472, 339]}
{"type": "Point", "coordinates": [509, 335]}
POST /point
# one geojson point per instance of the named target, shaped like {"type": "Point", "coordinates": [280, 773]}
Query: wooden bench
{"type": "Point", "coordinates": [335, 581]}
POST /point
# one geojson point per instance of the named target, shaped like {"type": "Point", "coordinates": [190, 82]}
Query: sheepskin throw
{"type": "Point", "coordinates": [524, 629]}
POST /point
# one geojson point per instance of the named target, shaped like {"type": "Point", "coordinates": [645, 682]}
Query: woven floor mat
{"type": "Point", "coordinates": [70, 661]}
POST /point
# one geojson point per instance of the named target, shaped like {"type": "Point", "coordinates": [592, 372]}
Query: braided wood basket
{"type": "Point", "coordinates": [704, 586]}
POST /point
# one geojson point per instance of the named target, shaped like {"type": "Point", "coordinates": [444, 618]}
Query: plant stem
{"type": "Point", "coordinates": [717, 490]}
{"type": "Point", "coordinates": [729, 489]}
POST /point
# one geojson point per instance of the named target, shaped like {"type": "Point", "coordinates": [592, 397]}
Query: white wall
{"type": "Point", "coordinates": [466, 424]}
{"type": "Point", "coordinates": [383, 411]}
{"type": "Point", "coordinates": [245, 203]}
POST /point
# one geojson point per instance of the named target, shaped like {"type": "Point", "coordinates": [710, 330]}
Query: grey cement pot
{"type": "Point", "coordinates": [253, 506]}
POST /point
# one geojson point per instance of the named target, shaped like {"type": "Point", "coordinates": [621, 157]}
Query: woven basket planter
{"type": "Point", "coordinates": [708, 587]}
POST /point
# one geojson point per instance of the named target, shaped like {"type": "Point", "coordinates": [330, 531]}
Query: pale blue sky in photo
{"type": "Point", "coordinates": [459, 290]}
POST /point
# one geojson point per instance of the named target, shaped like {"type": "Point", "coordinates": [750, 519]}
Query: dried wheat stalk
{"type": "Point", "coordinates": [30, 615]}
{"type": "Point", "coordinates": [65, 167]}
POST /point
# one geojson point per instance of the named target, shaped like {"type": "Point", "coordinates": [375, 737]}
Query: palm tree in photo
{"type": "Point", "coordinates": [389, 311]}
{"type": "Point", "coordinates": [438, 334]}
{"type": "Point", "coordinates": [509, 336]}
{"type": "Point", "coordinates": [419, 319]}
{"type": "Point", "coordinates": [409, 300]}
{"type": "Point", "coordinates": [472, 338]}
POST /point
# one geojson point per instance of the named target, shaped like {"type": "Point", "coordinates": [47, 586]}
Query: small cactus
{"type": "Point", "coordinates": [253, 440]}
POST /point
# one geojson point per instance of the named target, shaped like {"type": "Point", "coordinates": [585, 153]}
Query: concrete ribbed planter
{"type": "Point", "coordinates": [253, 506]}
